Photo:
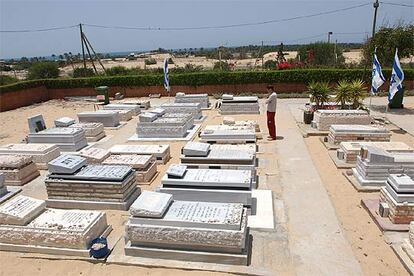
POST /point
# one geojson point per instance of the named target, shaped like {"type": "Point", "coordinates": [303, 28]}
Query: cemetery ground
{"type": "Point", "coordinates": [320, 225]}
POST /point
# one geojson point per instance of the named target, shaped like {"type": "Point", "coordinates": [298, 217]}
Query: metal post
{"type": "Point", "coordinates": [83, 47]}
{"type": "Point", "coordinates": [376, 5]}
{"type": "Point", "coordinates": [374, 22]}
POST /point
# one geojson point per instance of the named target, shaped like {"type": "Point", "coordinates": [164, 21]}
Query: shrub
{"type": "Point", "coordinates": [43, 70]}
{"type": "Point", "coordinates": [4, 80]}
{"type": "Point", "coordinates": [321, 53]}
{"type": "Point", "coordinates": [358, 93]}
{"type": "Point", "coordinates": [319, 92]}
{"type": "Point", "coordinates": [343, 93]}
{"type": "Point", "coordinates": [386, 39]}
{"type": "Point", "coordinates": [82, 72]}
{"type": "Point", "coordinates": [224, 66]}
{"type": "Point", "coordinates": [150, 61]}
{"type": "Point", "coordinates": [270, 64]}
{"type": "Point", "coordinates": [117, 71]}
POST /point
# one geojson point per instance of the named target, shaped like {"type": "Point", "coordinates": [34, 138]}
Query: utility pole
{"type": "Point", "coordinates": [329, 37]}
{"type": "Point", "coordinates": [374, 23]}
{"type": "Point", "coordinates": [83, 48]}
{"type": "Point", "coordinates": [219, 55]}
{"type": "Point", "coordinates": [261, 50]}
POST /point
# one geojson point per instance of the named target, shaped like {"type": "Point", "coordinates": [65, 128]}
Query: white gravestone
{"type": "Point", "coordinates": [194, 226]}
{"type": "Point", "coordinates": [160, 152]}
{"type": "Point", "coordinates": [176, 171]}
{"type": "Point", "coordinates": [133, 160]}
{"type": "Point", "coordinates": [36, 123]}
{"type": "Point", "coordinates": [66, 164]}
{"type": "Point", "coordinates": [147, 117]}
{"type": "Point", "coordinates": [211, 178]}
{"type": "Point", "coordinates": [196, 149]}
{"type": "Point", "coordinates": [151, 204]}
{"type": "Point", "coordinates": [64, 122]}
{"type": "Point", "coordinates": [159, 111]}
{"type": "Point", "coordinates": [41, 153]}
{"type": "Point", "coordinates": [200, 214]}
{"type": "Point", "coordinates": [21, 210]}
{"type": "Point", "coordinates": [94, 155]}
{"type": "Point", "coordinates": [54, 228]}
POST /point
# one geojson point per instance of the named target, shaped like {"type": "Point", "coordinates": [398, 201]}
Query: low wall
{"type": "Point", "coordinates": [25, 97]}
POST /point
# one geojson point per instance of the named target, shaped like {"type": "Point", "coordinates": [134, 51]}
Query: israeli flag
{"type": "Point", "coordinates": [397, 77]}
{"type": "Point", "coordinates": [166, 78]}
{"type": "Point", "coordinates": [377, 76]}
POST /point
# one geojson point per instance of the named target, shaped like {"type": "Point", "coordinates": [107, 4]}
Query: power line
{"type": "Point", "coordinates": [226, 26]}
{"type": "Point", "coordinates": [39, 30]}
{"type": "Point", "coordinates": [397, 4]}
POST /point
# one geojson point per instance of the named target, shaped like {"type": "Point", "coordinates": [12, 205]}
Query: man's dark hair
{"type": "Point", "coordinates": [270, 87]}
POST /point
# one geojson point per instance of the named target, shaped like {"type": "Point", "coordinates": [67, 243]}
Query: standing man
{"type": "Point", "coordinates": [271, 112]}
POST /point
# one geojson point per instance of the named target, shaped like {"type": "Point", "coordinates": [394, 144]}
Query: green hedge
{"type": "Point", "coordinates": [208, 78]}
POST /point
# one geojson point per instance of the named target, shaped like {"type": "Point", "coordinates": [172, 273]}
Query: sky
{"type": "Point", "coordinates": [347, 26]}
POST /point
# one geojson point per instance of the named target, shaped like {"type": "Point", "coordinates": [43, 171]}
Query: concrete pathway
{"type": "Point", "coordinates": [316, 241]}
{"type": "Point", "coordinates": [402, 118]}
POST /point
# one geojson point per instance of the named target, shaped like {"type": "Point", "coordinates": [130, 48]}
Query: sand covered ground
{"type": "Point", "coordinates": [361, 242]}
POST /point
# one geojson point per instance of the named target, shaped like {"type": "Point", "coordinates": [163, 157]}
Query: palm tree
{"type": "Point", "coordinates": [358, 93]}
{"type": "Point", "coordinates": [343, 93]}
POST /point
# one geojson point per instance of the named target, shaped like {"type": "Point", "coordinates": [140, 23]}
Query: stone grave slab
{"type": "Point", "coordinates": [64, 122]}
{"type": "Point", "coordinates": [21, 210]}
{"type": "Point", "coordinates": [147, 117]}
{"type": "Point", "coordinates": [323, 119]}
{"type": "Point", "coordinates": [159, 111]}
{"type": "Point", "coordinates": [160, 152]}
{"type": "Point", "coordinates": [402, 183]}
{"type": "Point", "coordinates": [36, 123]}
{"type": "Point", "coordinates": [66, 138]}
{"type": "Point", "coordinates": [41, 153]}
{"type": "Point", "coordinates": [151, 204]}
{"type": "Point", "coordinates": [133, 160]}
{"type": "Point", "coordinates": [196, 149]}
{"type": "Point", "coordinates": [176, 171]}
{"type": "Point", "coordinates": [91, 129]}
{"type": "Point", "coordinates": [125, 115]}
{"type": "Point", "coordinates": [94, 155]}
{"type": "Point", "coordinates": [240, 99]}
{"type": "Point", "coordinates": [223, 133]}
{"type": "Point", "coordinates": [202, 227]}
{"type": "Point", "coordinates": [202, 99]}
{"type": "Point", "coordinates": [66, 164]}
{"type": "Point", "coordinates": [212, 215]}
{"type": "Point", "coordinates": [143, 104]}
{"type": "Point", "coordinates": [211, 178]}
{"type": "Point", "coordinates": [109, 118]}
{"type": "Point", "coordinates": [66, 229]}
{"type": "Point", "coordinates": [101, 173]}
{"type": "Point", "coordinates": [18, 169]}
{"type": "Point", "coordinates": [14, 161]}
{"type": "Point", "coordinates": [135, 109]}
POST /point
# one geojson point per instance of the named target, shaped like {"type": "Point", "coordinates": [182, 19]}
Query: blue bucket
{"type": "Point", "coordinates": [101, 252]}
